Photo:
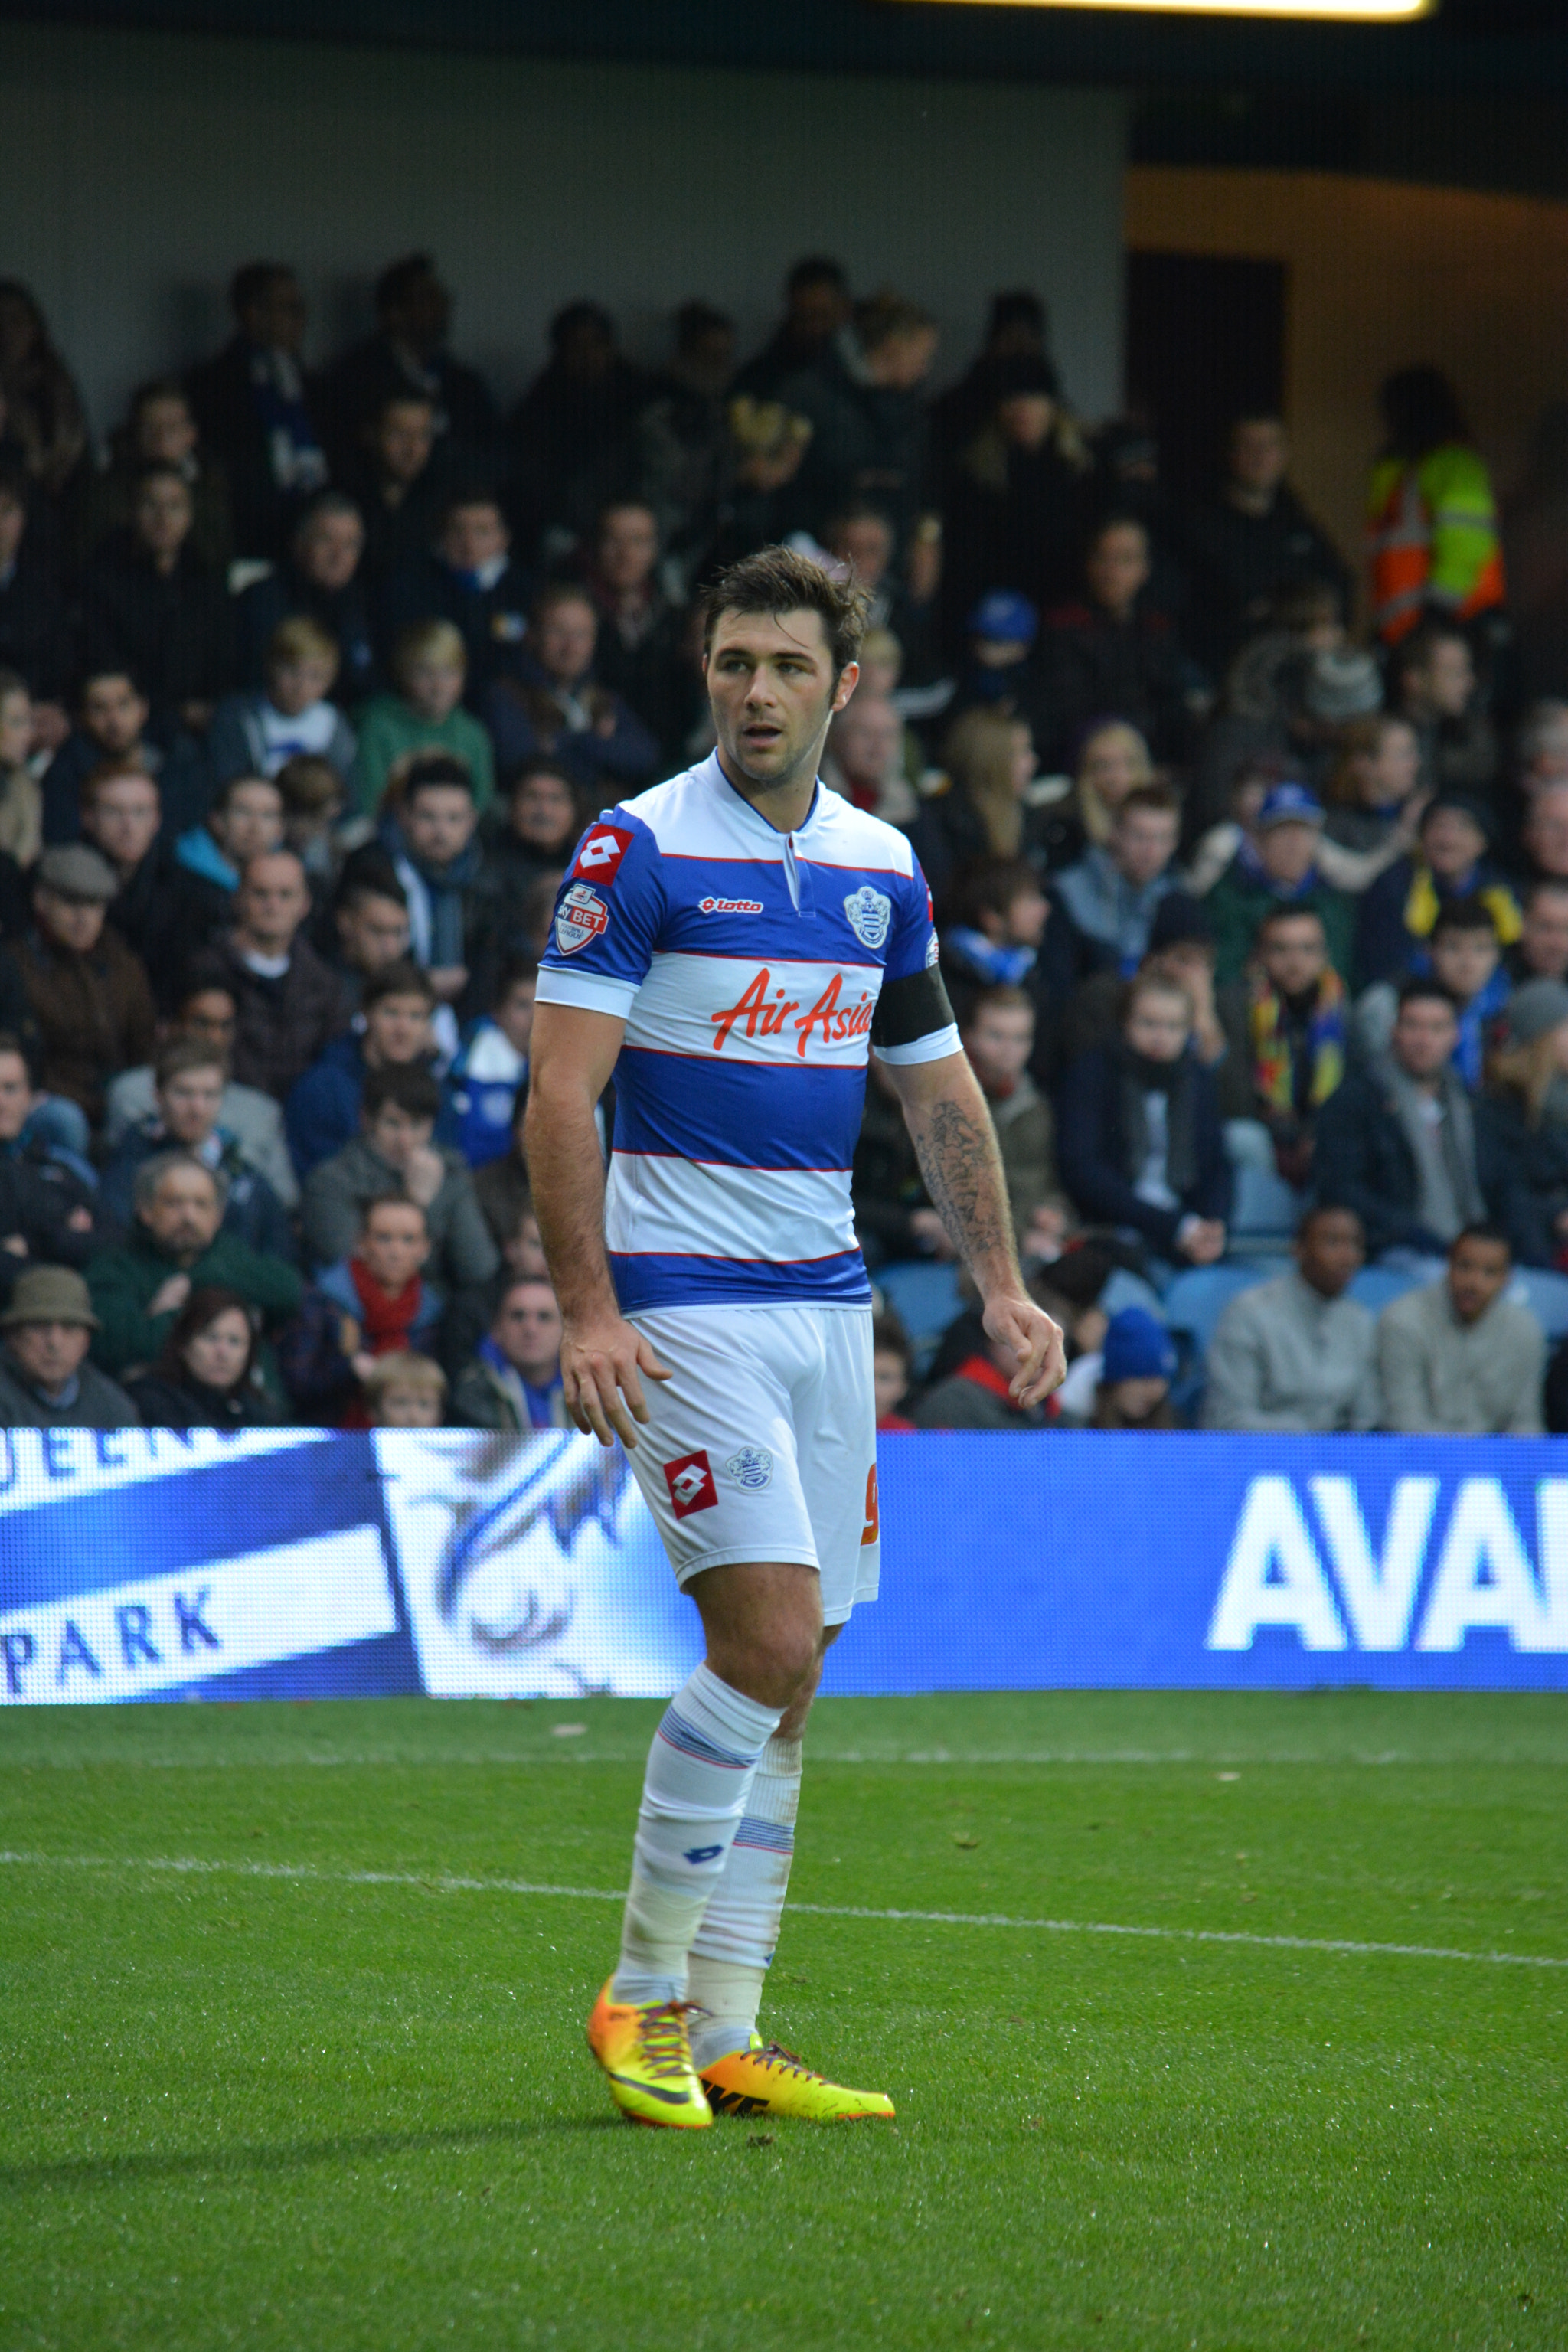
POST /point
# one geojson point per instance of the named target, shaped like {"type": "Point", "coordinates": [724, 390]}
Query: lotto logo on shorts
{"type": "Point", "coordinates": [691, 1482]}
{"type": "Point", "coordinates": [599, 859]}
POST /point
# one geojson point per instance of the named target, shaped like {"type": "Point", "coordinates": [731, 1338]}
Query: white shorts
{"type": "Point", "coordinates": [764, 1445]}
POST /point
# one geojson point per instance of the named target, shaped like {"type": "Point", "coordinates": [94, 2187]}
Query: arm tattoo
{"type": "Point", "coordinates": [963, 1172]}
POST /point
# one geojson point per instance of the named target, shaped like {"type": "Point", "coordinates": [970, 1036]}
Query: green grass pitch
{"type": "Point", "coordinates": [317, 2093]}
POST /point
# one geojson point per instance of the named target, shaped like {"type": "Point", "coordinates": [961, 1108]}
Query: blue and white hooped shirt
{"type": "Point", "coordinates": [755, 970]}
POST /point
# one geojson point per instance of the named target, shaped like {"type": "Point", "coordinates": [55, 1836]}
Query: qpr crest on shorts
{"type": "Point", "coordinates": [869, 915]}
{"type": "Point", "coordinates": [752, 1467]}
{"type": "Point", "coordinates": [580, 919]}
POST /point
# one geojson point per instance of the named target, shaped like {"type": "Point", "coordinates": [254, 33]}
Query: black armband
{"type": "Point", "coordinates": [910, 1008]}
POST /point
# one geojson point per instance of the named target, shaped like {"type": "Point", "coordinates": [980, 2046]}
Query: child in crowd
{"type": "Point", "coordinates": [1137, 1367]}
{"type": "Point", "coordinates": [430, 669]}
{"type": "Point", "coordinates": [313, 802]}
{"type": "Point", "coordinates": [21, 801]}
{"type": "Point", "coordinates": [892, 1370]}
{"type": "Point", "coordinates": [405, 1391]}
{"type": "Point", "coordinates": [254, 733]}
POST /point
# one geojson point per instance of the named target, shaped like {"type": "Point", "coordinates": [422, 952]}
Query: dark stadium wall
{"type": "Point", "coordinates": [141, 168]}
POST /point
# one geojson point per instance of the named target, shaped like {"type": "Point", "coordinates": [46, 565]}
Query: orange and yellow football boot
{"type": "Point", "coordinates": [768, 2081]}
{"type": "Point", "coordinates": [646, 2059]}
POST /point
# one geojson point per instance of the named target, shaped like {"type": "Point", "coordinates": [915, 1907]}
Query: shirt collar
{"type": "Point", "coordinates": [712, 772]}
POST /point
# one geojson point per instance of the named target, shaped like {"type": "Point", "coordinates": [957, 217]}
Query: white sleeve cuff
{"type": "Point", "coordinates": [593, 992]}
{"type": "Point", "coordinates": [936, 1047]}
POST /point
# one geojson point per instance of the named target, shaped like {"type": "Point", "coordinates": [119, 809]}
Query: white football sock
{"type": "Point", "coordinates": [699, 1771]}
{"type": "Point", "coordinates": [739, 1929]}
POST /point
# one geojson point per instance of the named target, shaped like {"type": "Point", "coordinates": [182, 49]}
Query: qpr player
{"type": "Point", "coordinates": [731, 945]}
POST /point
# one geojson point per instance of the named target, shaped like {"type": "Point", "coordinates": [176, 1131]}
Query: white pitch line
{"type": "Point", "coordinates": [442, 1882]}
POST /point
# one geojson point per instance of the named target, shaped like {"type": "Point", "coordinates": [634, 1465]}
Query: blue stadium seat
{"type": "Point", "coordinates": [1377, 1287]}
{"type": "Point", "coordinates": [1197, 1298]}
{"type": "Point", "coordinates": [1545, 1295]}
{"type": "Point", "coordinates": [924, 1299]}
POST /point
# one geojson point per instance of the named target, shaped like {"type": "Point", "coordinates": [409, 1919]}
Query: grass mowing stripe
{"type": "Point", "coordinates": [441, 1882]}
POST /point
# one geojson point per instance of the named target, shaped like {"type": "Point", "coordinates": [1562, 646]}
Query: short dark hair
{"type": "Point", "coordinates": [438, 771]}
{"type": "Point", "coordinates": [11, 1043]}
{"type": "Point", "coordinates": [1001, 998]}
{"type": "Point", "coordinates": [1415, 650]}
{"type": "Point", "coordinates": [818, 269]}
{"type": "Point", "coordinates": [95, 674]}
{"type": "Point", "coordinates": [1466, 915]}
{"type": "Point", "coordinates": [1481, 1231]}
{"type": "Point", "coordinates": [406, 1086]}
{"type": "Point", "coordinates": [1320, 1209]}
{"type": "Point", "coordinates": [779, 580]}
{"type": "Point", "coordinates": [695, 322]}
{"type": "Point", "coordinates": [367, 1208]}
{"type": "Point", "coordinates": [990, 886]}
{"type": "Point", "coordinates": [398, 277]}
{"type": "Point", "coordinates": [1159, 799]}
{"type": "Point", "coordinates": [519, 966]}
{"type": "Point", "coordinates": [231, 784]}
{"type": "Point", "coordinates": [1420, 989]}
{"type": "Point", "coordinates": [403, 978]}
{"type": "Point", "coordinates": [1288, 914]}
{"type": "Point", "coordinates": [250, 282]}
{"type": "Point", "coordinates": [889, 1337]}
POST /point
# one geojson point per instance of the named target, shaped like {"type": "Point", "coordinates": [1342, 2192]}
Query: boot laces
{"type": "Point", "coordinates": [776, 2054]}
{"type": "Point", "coordinates": [662, 2038]}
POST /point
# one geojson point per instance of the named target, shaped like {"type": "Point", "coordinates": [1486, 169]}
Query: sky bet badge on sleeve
{"type": "Point", "coordinates": [580, 919]}
{"type": "Point", "coordinates": [599, 858]}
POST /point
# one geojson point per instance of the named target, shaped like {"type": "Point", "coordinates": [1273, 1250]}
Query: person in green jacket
{"type": "Point", "coordinates": [430, 666]}
{"type": "Point", "coordinates": [176, 1245]}
{"type": "Point", "coordinates": [1277, 867]}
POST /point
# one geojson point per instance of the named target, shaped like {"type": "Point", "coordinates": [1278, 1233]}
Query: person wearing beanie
{"type": "Point", "coordinates": [1137, 1366]}
{"type": "Point", "coordinates": [87, 992]}
{"type": "Point", "coordinates": [1296, 1354]}
{"type": "Point", "coordinates": [1521, 1125]}
{"type": "Point", "coordinates": [45, 1381]}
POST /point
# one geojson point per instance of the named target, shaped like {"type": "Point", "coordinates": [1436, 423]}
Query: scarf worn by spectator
{"type": "Point", "coordinates": [1422, 906]}
{"type": "Point", "coordinates": [998, 966]}
{"type": "Point", "coordinates": [1273, 1071]}
{"type": "Point", "coordinates": [293, 452]}
{"type": "Point", "coordinates": [1140, 1078]}
{"type": "Point", "coordinates": [435, 903]}
{"type": "Point", "coordinates": [533, 1405]}
{"type": "Point", "coordinates": [385, 1320]}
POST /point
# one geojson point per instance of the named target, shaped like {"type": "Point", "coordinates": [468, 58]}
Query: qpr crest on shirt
{"type": "Point", "coordinates": [580, 919]}
{"type": "Point", "coordinates": [869, 915]}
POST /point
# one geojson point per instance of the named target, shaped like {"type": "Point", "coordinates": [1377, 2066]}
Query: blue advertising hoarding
{"type": "Point", "coordinates": [156, 1565]}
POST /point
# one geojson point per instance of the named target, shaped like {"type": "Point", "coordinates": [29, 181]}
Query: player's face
{"type": "Point", "coordinates": [772, 688]}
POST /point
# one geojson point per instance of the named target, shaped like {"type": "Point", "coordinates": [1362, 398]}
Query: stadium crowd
{"type": "Point", "coordinates": [1256, 929]}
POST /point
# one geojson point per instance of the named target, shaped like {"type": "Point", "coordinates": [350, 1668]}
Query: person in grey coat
{"type": "Point", "coordinates": [1296, 1354]}
{"type": "Point", "coordinates": [1460, 1358]}
{"type": "Point", "coordinates": [45, 1381]}
{"type": "Point", "coordinates": [394, 1158]}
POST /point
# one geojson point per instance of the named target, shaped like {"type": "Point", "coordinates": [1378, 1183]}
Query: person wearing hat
{"type": "Point", "coordinates": [1249, 539]}
{"type": "Point", "coordinates": [1450, 862]}
{"type": "Point", "coordinates": [1000, 630]}
{"type": "Point", "coordinates": [45, 1381]}
{"type": "Point", "coordinates": [1297, 1354]}
{"type": "Point", "coordinates": [88, 990]}
{"type": "Point", "coordinates": [1277, 865]}
{"type": "Point", "coordinates": [1137, 1366]}
{"type": "Point", "coordinates": [1521, 1125]}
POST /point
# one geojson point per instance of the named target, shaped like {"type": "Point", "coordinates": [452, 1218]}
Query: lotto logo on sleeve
{"type": "Point", "coordinates": [690, 1478]}
{"type": "Point", "coordinates": [599, 859]}
{"type": "Point", "coordinates": [580, 919]}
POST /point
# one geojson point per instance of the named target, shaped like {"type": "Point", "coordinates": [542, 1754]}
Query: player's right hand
{"type": "Point", "coordinates": [600, 1368]}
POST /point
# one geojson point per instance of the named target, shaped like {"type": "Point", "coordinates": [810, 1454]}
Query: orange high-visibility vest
{"type": "Point", "coordinates": [1432, 540]}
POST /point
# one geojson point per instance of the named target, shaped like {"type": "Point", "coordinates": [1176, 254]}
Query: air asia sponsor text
{"type": "Point", "coordinates": [764, 1010]}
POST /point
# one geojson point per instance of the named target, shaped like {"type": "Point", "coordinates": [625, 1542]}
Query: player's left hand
{"type": "Point", "coordinates": [1037, 1342]}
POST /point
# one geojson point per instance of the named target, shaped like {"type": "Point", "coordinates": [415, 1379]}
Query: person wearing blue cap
{"type": "Point", "coordinates": [1137, 1367]}
{"type": "Point", "coordinates": [1277, 865]}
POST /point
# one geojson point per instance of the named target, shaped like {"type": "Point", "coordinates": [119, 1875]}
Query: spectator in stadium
{"type": "Point", "coordinates": [976, 1394]}
{"type": "Point", "coordinates": [1277, 865]}
{"type": "Point", "coordinates": [366, 925]}
{"type": "Point", "coordinates": [45, 1381]}
{"type": "Point", "coordinates": [816, 308]}
{"type": "Point", "coordinates": [48, 1213]}
{"type": "Point", "coordinates": [864, 759]}
{"type": "Point", "coordinates": [551, 705]}
{"type": "Point", "coordinates": [641, 629]}
{"type": "Point", "coordinates": [1112, 652]}
{"type": "Point", "coordinates": [1435, 689]}
{"type": "Point", "coordinates": [1110, 760]}
{"type": "Point", "coordinates": [1110, 894]}
{"type": "Point", "coordinates": [998, 1035]}
{"type": "Point", "coordinates": [373, 1303]}
{"type": "Point", "coordinates": [533, 831]}
{"type": "Point", "coordinates": [175, 1246]}
{"type": "Point", "coordinates": [683, 459]}
{"type": "Point", "coordinates": [122, 818]}
{"type": "Point", "coordinates": [1181, 948]}
{"type": "Point", "coordinates": [1431, 515]}
{"type": "Point", "coordinates": [21, 801]}
{"type": "Point", "coordinates": [892, 1370]}
{"type": "Point", "coordinates": [467, 576]}
{"type": "Point", "coordinates": [512, 1380]}
{"type": "Point", "coordinates": [1017, 327]}
{"type": "Point", "coordinates": [256, 732]}
{"type": "Point", "coordinates": [989, 755]}
{"type": "Point", "coordinates": [1373, 786]}
{"type": "Point", "coordinates": [87, 992]}
{"type": "Point", "coordinates": [433, 840]}
{"type": "Point", "coordinates": [149, 604]}
{"type": "Point", "coordinates": [245, 821]}
{"type": "Point", "coordinates": [1449, 863]}
{"type": "Point", "coordinates": [407, 355]}
{"type": "Point", "coordinates": [1139, 1140]}
{"type": "Point", "coordinates": [314, 799]}
{"type": "Point", "coordinates": [394, 1154]}
{"type": "Point", "coordinates": [160, 429]}
{"type": "Point", "coordinates": [1396, 1142]}
{"type": "Point", "coordinates": [501, 1186]}
{"type": "Point", "coordinates": [1297, 1353]}
{"type": "Point", "coordinates": [393, 1032]}
{"type": "Point", "coordinates": [288, 1001]}
{"type": "Point", "coordinates": [189, 1078]}
{"type": "Point", "coordinates": [1249, 539]}
{"type": "Point", "coordinates": [490, 1077]}
{"type": "Point", "coordinates": [254, 406]}
{"type": "Point", "coordinates": [1522, 1125]}
{"type": "Point", "coordinates": [396, 485]}
{"type": "Point", "coordinates": [572, 427]}
{"type": "Point", "coordinates": [208, 1016]}
{"type": "Point", "coordinates": [1456, 1358]}
{"type": "Point", "coordinates": [405, 1391]}
{"type": "Point", "coordinates": [206, 1375]}
{"type": "Point", "coordinates": [36, 638]}
{"type": "Point", "coordinates": [322, 580]}
{"type": "Point", "coordinates": [1137, 1365]}
{"type": "Point", "coordinates": [1545, 834]}
{"type": "Point", "coordinates": [424, 713]}
{"type": "Point", "coordinates": [1464, 958]}
{"type": "Point", "coordinates": [112, 727]}
{"type": "Point", "coordinates": [1015, 499]}
{"type": "Point", "coordinates": [902, 591]}
{"type": "Point", "coordinates": [1541, 950]}
{"type": "Point", "coordinates": [862, 396]}
{"type": "Point", "coordinates": [43, 409]}
{"type": "Point", "coordinates": [1286, 1029]}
